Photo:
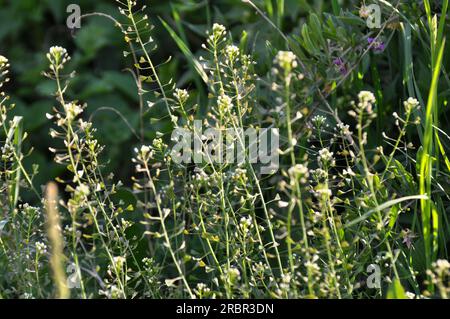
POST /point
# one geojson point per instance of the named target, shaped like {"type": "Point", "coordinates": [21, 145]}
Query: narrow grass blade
{"type": "Point", "coordinates": [426, 165]}
{"type": "Point", "coordinates": [336, 7]}
{"type": "Point", "coordinates": [17, 132]}
{"type": "Point", "coordinates": [442, 150]}
{"type": "Point", "coordinates": [381, 207]}
{"type": "Point", "coordinates": [280, 13]}
{"type": "Point", "coordinates": [186, 51]}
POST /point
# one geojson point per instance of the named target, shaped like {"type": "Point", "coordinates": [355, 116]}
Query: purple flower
{"type": "Point", "coordinates": [338, 62]}
{"type": "Point", "coordinates": [377, 46]}
{"type": "Point", "coordinates": [380, 47]}
{"type": "Point", "coordinates": [341, 65]}
{"type": "Point", "coordinates": [408, 237]}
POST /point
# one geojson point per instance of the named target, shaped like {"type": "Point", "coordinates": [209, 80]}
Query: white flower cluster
{"type": "Point", "coordinates": [232, 52]}
{"type": "Point", "coordinates": [3, 71]}
{"type": "Point", "coordinates": [442, 265]}
{"type": "Point", "coordinates": [286, 280]}
{"type": "Point", "coordinates": [240, 174]}
{"type": "Point", "coordinates": [202, 290]}
{"type": "Point", "coordinates": [322, 191]}
{"type": "Point", "coordinates": [246, 223]}
{"type": "Point", "coordinates": [181, 95]}
{"type": "Point", "coordinates": [41, 248]}
{"type": "Point", "coordinates": [319, 174]}
{"type": "Point", "coordinates": [233, 275]}
{"type": "Point", "coordinates": [218, 30]}
{"type": "Point", "coordinates": [286, 60]}
{"type": "Point", "coordinates": [312, 264]}
{"type": "Point", "coordinates": [326, 157]}
{"type": "Point", "coordinates": [158, 144]}
{"type": "Point", "coordinates": [57, 51]}
{"type": "Point", "coordinates": [439, 276]}
{"type": "Point", "coordinates": [72, 110]}
{"type": "Point", "coordinates": [148, 262]}
{"type": "Point", "coordinates": [119, 262]}
{"type": "Point", "coordinates": [143, 154]}
{"type": "Point", "coordinates": [200, 175]}
{"type": "Point", "coordinates": [3, 61]}
{"type": "Point", "coordinates": [366, 101]}
{"type": "Point", "coordinates": [411, 104]}
{"type": "Point", "coordinates": [344, 129]}
{"type": "Point", "coordinates": [225, 103]}
{"type": "Point", "coordinates": [215, 37]}
{"type": "Point", "coordinates": [82, 190]}
{"type": "Point", "coordinates": [319, 121]}
{"type": "Point", "coordinates": [299, 172]}
{"type": "Point", "coordinates": [57, 56]}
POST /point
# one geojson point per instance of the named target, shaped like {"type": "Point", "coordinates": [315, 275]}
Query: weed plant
{"type": "Point", "coordinates": [354, 210]}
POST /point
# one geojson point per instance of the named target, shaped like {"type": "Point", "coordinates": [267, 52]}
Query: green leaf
{"type": "Point", "coordinates": [91, 38]}
{"type": "Point", "coordinates": [186, 51]}
{"type": "Point", "coordinates": [396, 290]}
{"type": "Point", "coordinates": [123, 82]}
{"type": "Point", "coordinates": [384, 206]}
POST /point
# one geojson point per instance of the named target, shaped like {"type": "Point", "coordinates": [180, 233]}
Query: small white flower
{"type": "Point", "coordinates": [144, 153]}
{"type": "Point", "coordinates": [3, 61]}
{"type": "Point", "coordinates": [442, 265]}
{"type": "Point", "coordinates": [246, 223]}
{"type": "Point", "coordinates": [366, 101]}
{"type": "Point", "coordinates": [344, 130]}
{"type": "Point", "coordinates": [312, 266]}
{"type": "Point", "coordinates": [318, 121]}
{"type": "Point", "coordinates": [299, 172]}
{"type": "Point", "coordinates": [286, 60]}
{"type": "Point", "coordinates": [286, 278]}
{"type": "Point", "coordinates": [348, 172]}
{"type": "Point", "coordinates": [181, 95]}
{"type": "Point", "coordinates": [319, 173]}
{"type": "Point", "coordinates": [233, 275]}
{"type": "Point", "coordinates": [232, 52]}
{"type": "Point", "coordinates": [224, 103]}
{"type": "Point", "coordinates": [57, 56]}
{"type": "Point", "coordinates": [202, 287]}
{"type": "Point", "coordinates": [283, 204]}
{"type": "Point", "coordinates": [410, 295]}
{"type": "Point", "coordinates": [366, 97]}
{"type": "Point", "coordinates": [41, 248]}
{"type": "Point", "coordinates": [158, 143]}
{"type": "Point", "coordinates": [202, 290]}
{"type": "Point", "coordinates": [324, 191]}
{"type": "Point", "coordinates": [326, 157]}
{"type": "Point", "coordinates": [57, 51]}
{"type": "Point", "coordinates": [145, 149]}
{"type": "Point", "coordinates": [72, 110]}
{"type": "Point", "coordinates": [82, 190]}
{"type": "Point", "coordinates": [411, 104]}
{"type": "Point", "coordinates": [218, 30]}
{"type": "Point", "coordinates": [119, 262]}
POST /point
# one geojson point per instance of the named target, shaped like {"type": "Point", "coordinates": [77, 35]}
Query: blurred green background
{"type": "Point", "coordinates": [28, 28]}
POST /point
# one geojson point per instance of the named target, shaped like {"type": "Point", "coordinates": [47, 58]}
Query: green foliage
{"type": "Point", "coordinates": [362, 184]}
